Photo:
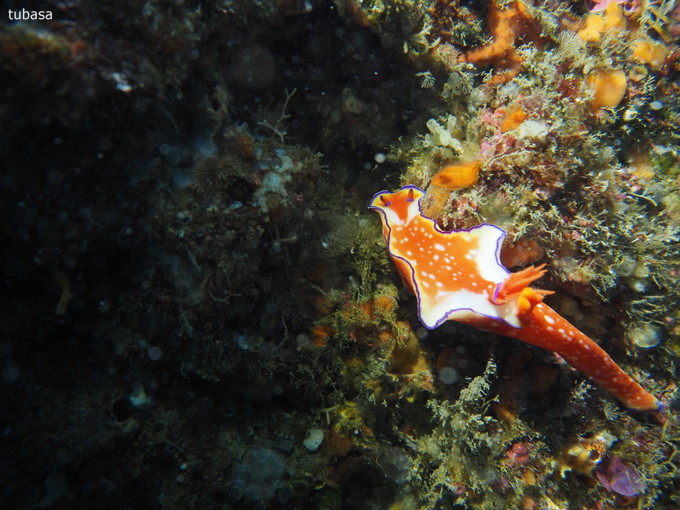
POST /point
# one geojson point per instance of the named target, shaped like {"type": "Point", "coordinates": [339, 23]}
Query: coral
{"type": "Point", "coordinates": [372, 324]}
{"type": "Point", "coordinates": [192, 268]}
{"type": "Point", "coordinates": [508, 24]}
{"type": "Point", "coordinates": [441, 136]}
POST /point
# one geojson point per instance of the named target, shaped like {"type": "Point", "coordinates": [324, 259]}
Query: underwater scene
{"type": "Point", "coordinates": [340, 254]}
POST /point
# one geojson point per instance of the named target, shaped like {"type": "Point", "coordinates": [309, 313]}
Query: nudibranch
{"type": "Point", "coordinates": [458, 276]}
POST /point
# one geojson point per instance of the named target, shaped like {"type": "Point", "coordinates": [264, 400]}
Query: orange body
{"type": "Point", "coordinates": [458, 276]}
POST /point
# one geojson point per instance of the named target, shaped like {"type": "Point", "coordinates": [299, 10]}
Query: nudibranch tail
{"type": "Point", "coordinates": [549, 330]}
{"type": "Point", "coordinates": [458, 276]}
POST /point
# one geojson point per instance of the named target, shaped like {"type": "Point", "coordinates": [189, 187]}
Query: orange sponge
{"type": "Point", "coordinates": [596, 24]}
{"type": "Point", "coordinates": [457, 176]}
{"type": "Point", "coordinates": [650, 52]}
{"type": "Point", "coordinates": [609, 87]}
{"type": "Point", "coordinates": [513, 119]}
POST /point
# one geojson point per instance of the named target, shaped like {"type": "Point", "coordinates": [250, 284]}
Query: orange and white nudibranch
{"type": "Point", "coordinates": [458, 276]}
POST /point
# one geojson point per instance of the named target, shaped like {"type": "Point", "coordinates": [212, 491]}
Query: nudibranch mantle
{"type": "Point", "coordinates": [458, 276]}
{"type": "Point", "coordinates": [452, 273]}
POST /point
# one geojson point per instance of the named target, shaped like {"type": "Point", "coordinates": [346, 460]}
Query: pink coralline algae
{"type": "Point", "coordinates": [601, 5]}
{"type": "Point", "coordinates": [619, 477]}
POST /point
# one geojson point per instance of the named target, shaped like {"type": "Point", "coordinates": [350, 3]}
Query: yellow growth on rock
{"type": "Point", "coordinates": [599, 23]}
{"type": "Point", "coordinates": [457, 176]}
{"type": "Point", "coordinates": [650, 52]}
{"type": "Point", "coordinates": [609, 88]}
